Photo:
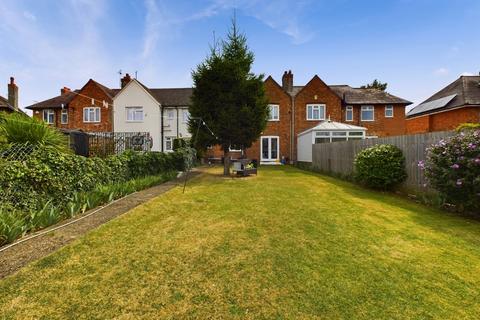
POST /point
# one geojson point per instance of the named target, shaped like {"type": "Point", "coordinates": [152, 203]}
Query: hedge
{"type": "Point", "coordinates": [51, 176]}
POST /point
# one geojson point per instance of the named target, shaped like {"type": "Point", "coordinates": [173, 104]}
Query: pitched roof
{"type": "Point", "coordinates": [4, 104]}
{"type": "Point", "coordinates": [462, 92]}
{"type": "Point", "coordinates": [334, 126]}
{"type": "Point", "coordinates": [172, 96]}
{"type": "Point", "coordinates": [55, 102]}
{"type": "Point", "coordinates": [352, 95]}
{"type": "Point", "coordinates": [365, 96]}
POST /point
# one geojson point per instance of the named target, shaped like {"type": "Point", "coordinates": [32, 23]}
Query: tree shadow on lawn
{"type": "Point", "coordinates": [433, 218]}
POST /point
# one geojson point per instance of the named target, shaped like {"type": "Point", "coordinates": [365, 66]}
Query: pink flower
{"type": "Point", "coordinates": [459, 182]}
{"type": "Point", "coordinates": [455, 166]}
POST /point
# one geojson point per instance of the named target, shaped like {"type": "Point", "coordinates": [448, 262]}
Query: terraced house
{"type": "Point", "coordinates": [295, 109]}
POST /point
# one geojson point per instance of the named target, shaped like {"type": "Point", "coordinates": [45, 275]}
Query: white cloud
{"type": "Point", "coordinates": [30, 16]}
{"type": "Point", "coordinates": [40, 59]}
{"type": "Point", "coordinates": [441, 72]}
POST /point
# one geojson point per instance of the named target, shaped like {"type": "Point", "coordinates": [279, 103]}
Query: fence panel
{"type": "Point", "coordinates": [338, 157]}
{"type": "Point", "coordinates": [102, 144]}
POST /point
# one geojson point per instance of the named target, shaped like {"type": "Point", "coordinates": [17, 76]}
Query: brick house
{"type": "Point", "coordinates": [294, 109]}
{"type": "Point", "coordinates": [457, 103]}
{"type": "Point", "coordinates": [88, 109]}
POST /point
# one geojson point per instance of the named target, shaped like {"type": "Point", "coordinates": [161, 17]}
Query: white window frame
{"type": "Point", "coordinates": [46, 116]}
{"type": "Point", "coordinates": [234, 150]}
{"type": "Point", "coordinates": [63, 113]}
{"type": "Point", "coordinates": [367, 108]}
{"type": "Point", "coordinates": [169, 139]}
{"type": "Point", "coordinates": [330, 136]}
{"type": "Point", "coordinates": [262, 159]}
{"type": "Point", "coordinates": [89, 115]}
{"type": "Point", "coordinates": [132, 111]}
{"type": "Point", "coordinates": [273, 116]}
{"type": "Point", "coordinates": [349, 109]}
{"type": "Point", "coordinates": [389, 107]}
{"type": "Point", "coordinates": [185, 119]}
{"type": "Point", "coordinates": [319, 107]}
{"type": "Point", "coordinates": [171, 113]}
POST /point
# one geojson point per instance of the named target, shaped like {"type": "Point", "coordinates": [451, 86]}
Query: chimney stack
{"type": "Point", "coordinates": [125, 80]}
{"type": "Point", "coordinates": [64, 90]}
{"type": "Point", "coordinates": [13, 93]}
{"type": "Point", "coordinates": [287, 81]}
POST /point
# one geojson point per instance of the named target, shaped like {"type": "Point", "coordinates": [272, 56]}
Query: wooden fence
{"type": "Point", "coordinates": [338, 157]}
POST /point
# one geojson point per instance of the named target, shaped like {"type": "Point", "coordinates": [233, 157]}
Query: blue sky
{"type": "Point", "coordinates": [417, 46]}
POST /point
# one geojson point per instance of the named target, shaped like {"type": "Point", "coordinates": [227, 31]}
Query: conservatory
{"type": "Point", "coordinates": [326, 132]}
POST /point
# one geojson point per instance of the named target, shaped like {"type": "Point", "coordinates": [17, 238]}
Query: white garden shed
{"type": "Point", "coordinates": [326, 132]}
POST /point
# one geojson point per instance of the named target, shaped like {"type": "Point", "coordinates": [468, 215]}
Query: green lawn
{"type": "Point", "coordinates": [284, 245]}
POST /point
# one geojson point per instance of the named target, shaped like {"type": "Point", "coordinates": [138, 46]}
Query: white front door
{"type": "Point", "coordinates": [269, 148]}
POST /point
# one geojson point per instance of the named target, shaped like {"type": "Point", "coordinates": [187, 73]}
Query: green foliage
{"type": "Point", "coordinates": [228, 97]}
{"type": "Point", "coordinates": [49, 175]}
{"type": "Point", "coordinates": [179, 143]}
{"type": "Point", "coordinates": [468, 126]}
{"type": "Point", "coordinates": [453, 168]}
{"type": "Point", "coordinates": [14, 222]}
{"type": "Point", "coordinates": [376, 85]}
{"type": "Point", "coordinates": [17, 128]}
{"type": "Point", "coordinates": [380, 167]}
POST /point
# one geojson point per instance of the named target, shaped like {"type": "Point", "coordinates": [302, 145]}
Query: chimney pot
{"type": "Point", "coordinates": [12, 80]}
{"type": "Point", "coordinates": [64, 90]}
{"type": "Point", "coordinates": [125, 80]}
{"type": "Point", "coordinates": [287, 81]}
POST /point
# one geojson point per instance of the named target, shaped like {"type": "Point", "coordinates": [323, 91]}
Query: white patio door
{"type": "Point", "coordinates": [269, 148]}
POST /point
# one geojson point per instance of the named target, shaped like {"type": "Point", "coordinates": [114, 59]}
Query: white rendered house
{"type": "Point", "coordinates": [163, 113]}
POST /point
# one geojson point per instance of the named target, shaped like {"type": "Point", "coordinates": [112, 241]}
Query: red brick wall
{"type": "Point", "coordinates": [443, 121]}
{"type": "Point", "coordinates": [382, 126]}
{"type": "Point", "coordinates": [315, 92]}
{"type": "Point", "coordinates": [418, 125]}
{"type": "Point", "coordinates": [75, 111]}
{"type": "Point", "coordinates": [75, 114]}
{"type": "Point", "coordinates": [281, 128]}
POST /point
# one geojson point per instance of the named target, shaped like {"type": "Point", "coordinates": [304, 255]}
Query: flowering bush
{"type": "Point", "coordinates": [380, 167]}
{"type": "Point", "coordinates": [453, 168]}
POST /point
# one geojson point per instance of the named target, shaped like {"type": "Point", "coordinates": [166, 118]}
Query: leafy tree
{"type": "Point", "coordinates": [376, 85]}
{"type": "Point", "coordinates": [228, 98]}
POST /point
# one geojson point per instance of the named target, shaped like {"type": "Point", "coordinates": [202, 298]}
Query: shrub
{"type": "Point", "coordinates": [179, 143]}
{"type": "Point", "coordinates": [16, 128]}
{"type": "Point", "coordinates": [453, 168]}
{"type": "Point", "coordinates": [468, 126]}
{"type": "Point", "coordinates": [50, 175]}
{"type": "Point", "coordinates": [380, 167]}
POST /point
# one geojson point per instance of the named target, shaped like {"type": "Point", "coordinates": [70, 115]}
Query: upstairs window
{"type": "Point", "coordinates": [388, 111]}
{"type": "Point", "coordinates": [134, 114]}
{"type": "Point", "coordinates": [49, 116]}
{"type": "Point", "coordinates": [171, 114]}
{"type": "Point", "coordinates": [367, 113]}
{"type": "Point", "coordinates": [315, 112]}
{"type": "Point", "coordinates": [274, 112]}
{"type": "Point", "coordinates": [64, 116]}
{"type": "Point", "coordinates": [91, 114]}
{"type": "Point", "coordinates": [349, 113]}
{"type": "Point", "coordinates": [186, 116]}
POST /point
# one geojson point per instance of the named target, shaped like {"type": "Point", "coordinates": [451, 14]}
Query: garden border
{"type": "Point", "coordinates": [24, 251]}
